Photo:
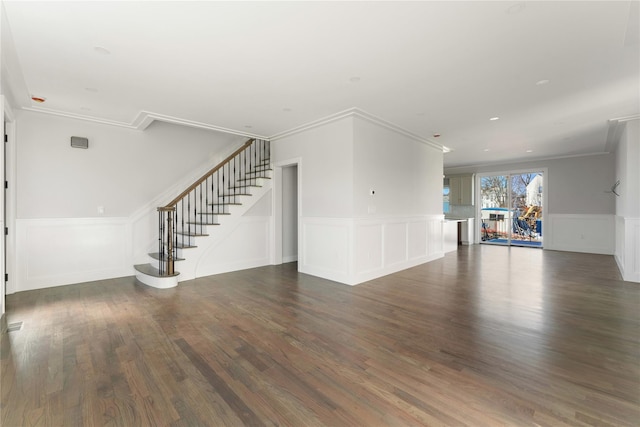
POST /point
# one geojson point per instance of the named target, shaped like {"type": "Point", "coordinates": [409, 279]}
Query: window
{"type": "Point", "coordinates": [446, 208]}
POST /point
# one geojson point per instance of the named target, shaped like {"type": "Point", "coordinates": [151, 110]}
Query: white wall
{"type": "Point", "coordinates": [406, 174]}
{"type": "Point", "coordinates": [60, 237]}
{"type": "Point", "coordinates": [399, 226]}
{"type": "Point", "coordinates": [121, 170]}
{"type": "Point", "coordinates": [627, 222]}
{"type": "Point", "coordinates": [327, 173]}
{"type": "Point", "coordinates": [343, 239]}
{"type": "Point", "coordinates": [580, 212]}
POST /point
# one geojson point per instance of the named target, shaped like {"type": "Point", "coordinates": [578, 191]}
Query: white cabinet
{"type": "Point", "coordinates": [461, 190]}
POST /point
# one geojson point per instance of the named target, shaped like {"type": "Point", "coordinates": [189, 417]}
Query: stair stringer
{"type": "Point", "coordinates": [195, 262]}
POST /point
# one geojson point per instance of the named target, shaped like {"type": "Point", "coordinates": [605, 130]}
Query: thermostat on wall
{"type": "Point", "coordinates": [79, 142]}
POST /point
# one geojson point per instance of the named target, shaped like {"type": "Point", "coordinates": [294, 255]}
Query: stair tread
{"type": "Point", "coordinates": [234, 194]}
{"type": "Point", "coordinates": [244, 186]}
{"type": "Point", "coordinates": [149, 270]}
{"type": "Point", "coordinates": [211, 213]}
{"type": "Point", "coordinates": [156, 256]}
{"type": "Point", "coordinates": [254, 178]}
{"type": "Point", "coordinates": [183, 246]}
{"type": "Point", "coordinates": [191, 234]}
{"type": "Point", "coordinates": [204, 223]}
{"type": "Point", "coordinates": [225, 204]}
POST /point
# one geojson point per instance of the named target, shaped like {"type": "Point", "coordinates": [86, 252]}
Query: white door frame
{"type": "Point", "coordinates": [277, 208]}
{"type": "Point", "coordinates": [9, 210]}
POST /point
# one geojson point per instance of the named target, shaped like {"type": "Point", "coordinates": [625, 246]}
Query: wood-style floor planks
{"type": "Point", "coordinates": [485, 336]}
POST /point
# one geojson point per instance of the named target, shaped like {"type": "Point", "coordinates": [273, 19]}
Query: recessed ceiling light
{"type": "Point", "coordinates": [446, 149]}
{"type": "Point", "coordinates": [38, 99]}
{"type": "Point", "coordinates": [485, 150]}
{"type": "Point", "coordinates": [436, 135]}
{"type": "Point", "coordinates": [102, 50]}
{"type": "Point", "coordinates": [90, 89]}
{"type": "Point", "coordinates": [85, 108]}
{"type": "Point", "coordinates": [248, 126]}
{"type": "Point", "coordinates": [542, 82]}
{"type": "Point", "coordinates": [493, 119]}
{"type": "Point", "coordinates": [529, 151]}
{"type": "Point", "coordinates": [354, 79]}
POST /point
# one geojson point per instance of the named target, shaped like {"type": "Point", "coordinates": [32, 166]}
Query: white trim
{"type": "Point", "coordinates": [355, 112]}
{"type": "Point", "coordinates": [452, 170]}
{"type": "Point", "coordinates": [62, 251]}
{"type": "Point", "coordinates": [144, 118]}
{"type": "Point", "coordinates": [354, 250]}
{"type": "Point", "coordinates": [584, 233]}
{"type": "Point", "coordinates": [11, 198]}
{"type": "Point", "coordinates": [276, 218]}
{"type": "Point", "coordinates": [627, 252]}
{"type": "Point", "coordinates": [142, 121]}
{"type": "Point", "coordinates": [626, 118]}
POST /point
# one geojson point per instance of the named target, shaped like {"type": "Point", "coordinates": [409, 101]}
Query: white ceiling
{"type": "Point", "coordinates": [266, 67]}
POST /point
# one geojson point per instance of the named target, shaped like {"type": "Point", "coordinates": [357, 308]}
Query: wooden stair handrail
{"type": "Point", "coordinates": [208, 174]}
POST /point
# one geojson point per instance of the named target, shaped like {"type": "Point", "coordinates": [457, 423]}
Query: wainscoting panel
{"type": "Point", "coordinates": [628, 247]}
{"type": "Point", "coordinates": [326, 248]}
{"type": "Point", "coordinates": [395, 243]}
{"type": "Point", "coordinates": [385, 245]}
{"type": "Point", "coordinates": [417, 239]}
{"type": "Point", "coordinates": [369, 247]}
{"type": "Point", "coordinates": [434, 238]}
{"type": "Point", "coordinates": [54, 252]}
{"type": "Point", "coordinates": [352, 251]}
{"type": "Point", "coordinates": [580, 233]}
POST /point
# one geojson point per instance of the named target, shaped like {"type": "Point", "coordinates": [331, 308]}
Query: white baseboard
{"type": "Point", "coordinates": [627, 253]}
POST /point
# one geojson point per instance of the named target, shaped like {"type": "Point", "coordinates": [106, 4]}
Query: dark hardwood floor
{"type": "Point", "coordinates": [483, 337]}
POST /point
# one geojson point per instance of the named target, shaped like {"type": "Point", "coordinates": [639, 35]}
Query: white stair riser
{"type": "Point", "coordinates": [158, 282]}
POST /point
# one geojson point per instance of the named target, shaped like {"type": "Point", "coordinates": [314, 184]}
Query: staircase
{"type": "Point", "coordinates": [199, 211]}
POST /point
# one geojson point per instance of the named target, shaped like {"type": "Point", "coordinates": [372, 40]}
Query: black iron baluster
{"type": "Point", "coordinates": [160, 244]}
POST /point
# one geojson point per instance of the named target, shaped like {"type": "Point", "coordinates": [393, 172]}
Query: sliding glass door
{"type": "Point", "coordinates": [511, 209]}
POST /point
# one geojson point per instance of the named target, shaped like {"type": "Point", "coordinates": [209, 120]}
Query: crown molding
{"type": "Point", "coordinates": [143, 120]}
{"type": "Point", "coordinates": [472, 166]}
{"type": "Point", "coordinates": [79, 117]}
{"type": "Point", "coordinates": [614, 132]}
{"type": "Point", "coordinates": [626, 118]}
{"type": "Point", "coordinates": [354, 112]}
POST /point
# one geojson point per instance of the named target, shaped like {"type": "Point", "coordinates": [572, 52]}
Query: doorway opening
{"type": "Point", "coordinates": [290, 213]}
{"type": "Point", "coordinates": [511, 208]}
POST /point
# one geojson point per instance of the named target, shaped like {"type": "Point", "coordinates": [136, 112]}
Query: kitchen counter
{"type": "Point", "coordinates": [462, 234]}
{"type": "Point", "coordinates": [450, 234]}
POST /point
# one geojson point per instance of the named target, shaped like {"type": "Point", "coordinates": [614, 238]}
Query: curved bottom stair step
{"type": "Point", "coordinates": [151, 276]}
